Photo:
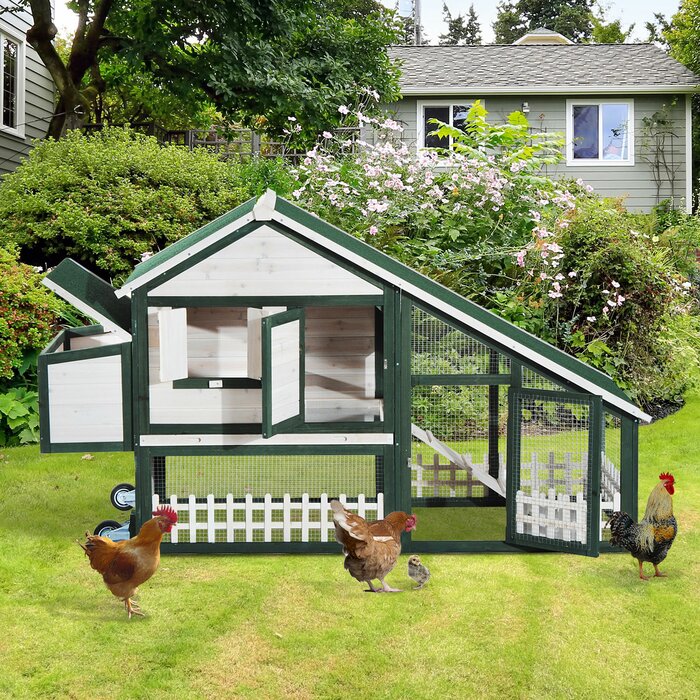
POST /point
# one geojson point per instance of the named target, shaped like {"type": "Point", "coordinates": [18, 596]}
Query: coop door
{"type": "Point", "coordinates": [553, 470]}
{"type": "Point", "coordinates": [282, 372]}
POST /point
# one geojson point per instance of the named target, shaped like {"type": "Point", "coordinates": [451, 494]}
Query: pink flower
{"type": "Point", "coordinates": [615, 284]}
{"type": "Point", "coordinates": [343, 109]}
{"type": "Point", "coordinates": [327, 135]}
{"type": "Point", "coordinates": [373, 230]}
{"type": "Point", "coordinates": [520, 258]}
{"type": "Point", "coordinates": [573, 273]}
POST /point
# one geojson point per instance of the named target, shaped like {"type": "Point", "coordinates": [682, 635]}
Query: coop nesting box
{"type": "Point", "coordinates": [269, 362]}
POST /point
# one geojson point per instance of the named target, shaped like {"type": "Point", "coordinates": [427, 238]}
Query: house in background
{"type": "Point", "coordinates": [625, 109]}
{"type": "Point", "coordinates": [26, 88]}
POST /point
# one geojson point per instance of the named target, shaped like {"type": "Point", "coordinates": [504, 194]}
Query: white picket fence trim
{"type": "Point", "coordinates": [551, 515]}
{"type": "Point", "coordinates": [296, 515]}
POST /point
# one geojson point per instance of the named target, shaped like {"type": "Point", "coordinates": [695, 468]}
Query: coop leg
{"type": "Point", "coordinates": [659, 573]}
{"type": "Point", "coordinates": [641, 571]}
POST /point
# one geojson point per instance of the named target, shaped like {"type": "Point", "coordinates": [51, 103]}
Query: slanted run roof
{"type": "Point", "coordinates": [540, 68]}
{"type": "Point", "coordinates": [324, 236]}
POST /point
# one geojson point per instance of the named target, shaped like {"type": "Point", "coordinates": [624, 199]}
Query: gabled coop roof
{"type": "Point", "coordinates": [325, 237]}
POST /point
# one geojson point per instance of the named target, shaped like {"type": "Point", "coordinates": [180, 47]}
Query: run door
{"type": "Point", "coordinates": [553, 470]}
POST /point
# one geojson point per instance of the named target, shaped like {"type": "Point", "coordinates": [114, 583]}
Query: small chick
{"type": "Point", "coordinates": [418, 572]}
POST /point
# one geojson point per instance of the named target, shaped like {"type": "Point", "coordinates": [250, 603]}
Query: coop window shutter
{"type": "Point", "coordinates": [173, 344]}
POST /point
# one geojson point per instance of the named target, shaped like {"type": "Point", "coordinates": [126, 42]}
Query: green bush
{"type": "Point", "coordinates": [28, 314]}
{"type": "Point", "coordinates": [107, 198]}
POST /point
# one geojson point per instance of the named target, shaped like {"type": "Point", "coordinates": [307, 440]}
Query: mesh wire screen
{"type": "Point", "coordinates": [552, 464]}
{"type": "Point", "coordinates": [610, 469]}
{"type": "Point", "coordinates": [457, 416]}
{"type": "Point", "coordinates": [533, 380]}
{"type": "Point", "coordinates": [195, 478]}
{"type": "Point", "coordinates": [438, 348]}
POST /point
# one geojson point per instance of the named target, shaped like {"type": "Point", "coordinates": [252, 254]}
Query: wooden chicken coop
{"type": "Point", "coordinates": [269, 362]}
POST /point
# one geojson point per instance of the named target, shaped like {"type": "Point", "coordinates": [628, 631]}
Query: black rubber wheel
{"type": "Point", "coordinates": [117, 496]}
{"type": "Point", "coordinates": [105, 527]}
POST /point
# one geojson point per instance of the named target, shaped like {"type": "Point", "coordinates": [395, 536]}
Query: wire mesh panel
{"type": "Point", "coordinates": [610, 488]}
{"type": "Point", "coordinates": [534, 380]}
{"type": "Point", "coordinates": [439, 348]}
{"type": "Point", "coordinates": [265, 498]}
{"type": "Point", "coordinates": [553, 471]}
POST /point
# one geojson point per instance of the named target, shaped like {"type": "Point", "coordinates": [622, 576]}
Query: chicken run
{"type": "Point", "coordinates": [269, 364]}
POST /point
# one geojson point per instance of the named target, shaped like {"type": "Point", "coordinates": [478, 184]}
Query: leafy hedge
{"type": "Point", "coordinates": [108, 198]}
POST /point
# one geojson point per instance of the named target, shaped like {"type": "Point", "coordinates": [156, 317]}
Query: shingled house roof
{"type": "Point", "coordinates": [574, 68]}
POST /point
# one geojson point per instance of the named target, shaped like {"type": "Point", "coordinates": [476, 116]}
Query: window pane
{"type": "Point", "coordinates": [615, 132]}
{"type": "Point", "coordinates": [585, 131]}
{"type": "Point", "coordinates": [459, 116]}
{"type": "Point", "coordinates": [9, 83]}
{"type": "Point", "coordinates": [441, 113]}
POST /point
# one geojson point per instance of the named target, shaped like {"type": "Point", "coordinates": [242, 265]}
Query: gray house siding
{"type": "Point", "coordinates": [548, 112]}
{"type": "Point", "coordinates": [38, 95]}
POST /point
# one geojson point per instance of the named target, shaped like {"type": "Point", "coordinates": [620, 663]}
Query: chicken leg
{"type": "Point", "coordinates": [132, 608]}
{"type": "Point", "coordinates": [641, 571]}
{"type": "Point", "coordinates": [659, 573]}
{"type": "Point", "coordinates": [387, 589]}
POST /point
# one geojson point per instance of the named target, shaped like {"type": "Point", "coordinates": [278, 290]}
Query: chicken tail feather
{"type": "Point", "coordinates": [619, 523]}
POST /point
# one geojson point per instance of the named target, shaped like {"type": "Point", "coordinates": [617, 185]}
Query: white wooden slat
{"type": "Point", "coordinates": [211, 536]}
{"type": "Point", "coordinates": [280, 439]}
{"type": "Point", "coordinates": [173, 343]}
{"type": "Point", "coordinates": [249, 517]}
{"type": "Point", "coordinates": [305, 515]}
{"type": "Point", "coordinates": [94, 341]}
{"type": "Point", "coordinates": [324, 511]}
{"type": "Point", "coordinates": [192, 511]}
{"type": "Point", "coordinates": [176, 528]}
{"type": "Point", "coordinates": [229, 518]}
{"type": "Point", "coordinates": [287, 518]}
{"type": "Point", "coordinates": [268, 518]}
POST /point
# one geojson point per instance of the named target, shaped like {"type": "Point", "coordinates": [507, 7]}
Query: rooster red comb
{"type": "Point", "coordinates": [666, 476]}
{"type": "Point", "coordinates": [166, 512]}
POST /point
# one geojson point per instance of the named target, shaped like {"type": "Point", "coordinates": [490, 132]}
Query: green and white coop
{"type": "Point", "coordinates": [269, 362]}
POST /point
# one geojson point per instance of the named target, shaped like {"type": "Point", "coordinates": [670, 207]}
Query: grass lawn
{"type": "Point", "coordinates": [492, 626]}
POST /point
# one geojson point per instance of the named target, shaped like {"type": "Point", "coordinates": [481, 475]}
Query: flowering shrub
{"type": "Point", "coordinates": [551, 257]}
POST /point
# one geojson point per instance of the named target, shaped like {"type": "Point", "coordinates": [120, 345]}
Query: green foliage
{"type": "Point", "coordinates": [107, 198]}
{"type": "Point", "coordinates": [19, 417]}
{"type": "Point", "coordinates": [461, 30]}
{"type": "Point", "coordinates": [609, 32]}
{"type": "Point", "coordinates": [572, 18]}
{"type": "Point", "coordinates": [28, 312]}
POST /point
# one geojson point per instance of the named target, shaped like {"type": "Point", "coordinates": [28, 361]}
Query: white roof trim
{"type": "Point", "coordinates": [279, 439]}
{"type": "Point", "coordinates": [465, 318]}
{"type": "Point", "coordinates": [262, 211]}
{"type": "Point", "coordinates": [81, 305]}
{"type": "Point", "coordinates": [547, 90]}
{"type": "Point", "coordinates": [127, 289]}
{"type": "Point", "coordinates": [542, 38]}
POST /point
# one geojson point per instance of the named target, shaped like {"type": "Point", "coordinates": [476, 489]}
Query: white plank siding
{"type": "Point", "coordinates": [172, 326]}
{"type": "Point", "coordinates": [286, 391]}
{"type": "Point", "coordinates": [85, 400]}
{"type": "Point", "coordinates": [265, 263]}
{"type": "Point", "coordinates": [195, 406]}
{"type": "Point", "coordinates": [98, 340]}
{"type": "Point", "coordinates": [340, 364]}
{"type": "Point", "coordinates": [548, 112]}
{"type": "Point", "coordinates": [217, 342]}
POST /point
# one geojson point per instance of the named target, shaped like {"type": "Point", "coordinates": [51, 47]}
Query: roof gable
{"type": "Point", "coordinates": [369, 261]}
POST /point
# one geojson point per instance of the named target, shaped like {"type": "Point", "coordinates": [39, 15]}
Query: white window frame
{"type": "Point", "coordinates": [420, 112]}
{"type": "Point", "coordinates": [579, 162]}
{"type": "Point", "coordinates": [6, 32]}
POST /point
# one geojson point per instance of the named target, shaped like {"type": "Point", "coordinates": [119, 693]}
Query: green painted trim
{"type": "Point", "coordinates": [268, 324]}
{"type": "Point", "coordinates": [127, 403]}
{"type": "Point", "coordinates": [494, 417]}
{"type": "Point", "coordinates": [57, 342]}
{"type": "Point", "coordinates": [227, 383]}
{"type": "Point", "coordinates": [528, 341]}
{"type": "Point", "coordinates": [516, 374]}
{"type": "Point", "coordinates": [629, 466]}
{"type": "Point", "coordinates": [342, 427]}
{"type": "Point", "coordinates": [85, 354]}
{"type": "Point", "coordinates": [139, 356]}
{"type": "Point", "coordinates": [476, 502]}
{"type": "Point", "coordinates": [260, 301]}
{"type": "Point", "coordinates": [56, 447]}
{"type": "Point", "coordinates": [379, 351]}
{"type": "Point", "coordinates": [596, 426]}
{"type": "Point", "coordinates": [143, 508]}
{"type": "Point", "coordinates": [205, 428]}
{"type": "Point", "coordinates": [85, 331]}
{"type": "Point", "coordinates": [200, 234]}
{"type": "Point", "coordinates": [548, 395]}
{"type": "Point", "coordinates": [93, 291]}
{"type": "Point", "coordinates": [512, 457]}
{"type": "Point", "coordinates": [43, 389]}
{"type": "Point", "coordinates": [459, 379]}
{"type": "Point", "coordinates": [404, 318]}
